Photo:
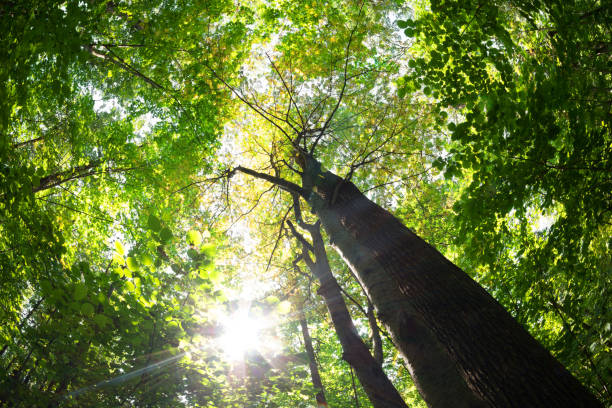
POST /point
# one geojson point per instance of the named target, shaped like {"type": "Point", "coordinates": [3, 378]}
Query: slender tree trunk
{"type": "Point", "coordinates": [379, 389]}
{"type": "Point", "coordinates": [376, 340]}
{"type": "Point", "coordinates": [462, 348]}
{"type": "Point", "coordinates": [312, 362]}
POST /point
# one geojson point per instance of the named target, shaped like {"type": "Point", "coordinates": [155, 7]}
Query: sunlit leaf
{"type": "Point", "coordinates": [132, 263]}
{"type": "Point", "coordinates": [284, 307]}
{"type": "Point", "coordinates": [194, 238]}
{"type": "Point", "coordinates": [119, 247]}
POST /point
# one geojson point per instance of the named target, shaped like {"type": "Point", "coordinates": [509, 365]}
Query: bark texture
{"type": "Point", "coordinates": [462, 347]}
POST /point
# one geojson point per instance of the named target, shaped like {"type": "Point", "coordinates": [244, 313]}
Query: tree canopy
{"type": "Point", "coordinates": [159, 244]}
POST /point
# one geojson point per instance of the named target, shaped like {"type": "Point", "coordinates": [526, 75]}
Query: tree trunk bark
{"type": "Point", "coordinates": [312, 362]}
{"type": "Point", "coordinates": [463, 349]}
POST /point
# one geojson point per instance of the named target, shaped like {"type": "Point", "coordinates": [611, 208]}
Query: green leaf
{"type": "Point", "coordinates": [119, 247]}
{"type": "Point", "coordinates": [46, 286]}
{"type": "Point", "coordinates": [154, 223]}
{"type": "Point", "coordinates": [214, 275]}
{"type": "Point", "coordinates": [438, 163]}
{"type": "Point", "coordinates": [87, 308]}
{"type": "Point", "coordinates": [165, 235]}
{"type": "Point", "coordinates": [147, 260]}
{"type": "Point", "coordinates": [401, 92]}
{"type": "Point", "coordinates": [129, 286]}
{"type": "Point", "coordinates": [208, 249]}
{"type": "Point", "coordinates": [101, 320]}
{"type": "Point", "coordinates": [272, 300]}
{"type": "Point", "coordinates": [80, 291]}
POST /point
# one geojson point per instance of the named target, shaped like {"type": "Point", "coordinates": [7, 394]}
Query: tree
{"type": "Point", "coordinates": [312, 362]}
{"type": "Point", "coordinates": [431, 307]}
{"type": "Point", "coordinates": [378, 387]}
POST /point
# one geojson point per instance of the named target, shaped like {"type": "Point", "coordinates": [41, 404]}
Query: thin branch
{"type": "Point", "coordinates": [118, 61]}
{"type": "Point", "coordinates": [256, 108]}
{"type": "Point", "coordinates": [398, 180]}
{"type": "Point", "coordinates": [27, 142]}
{"type": "Point", "coordinates": [291, 101]}
{"type": "Point", "coordinates": [355, 302]}
{"type": "Point", "coordinates": [354, 387]}
{"type": "Point", "coordinates": [211, 180]}
{"type": "Point", "coordinates": [49, 183]}
{"type": "Point", "coordinates": [280, 235]}
{"type": "Point", "coordinates": [79, 211]}
{"type": "Point", "coordinates": [282, 183]}
{"type": "Point", "coordinates": [290, 167]}
{"type": "Point", "coordinates": [250, 210]}
{"type": "Point", "coordinates": [472, 19]}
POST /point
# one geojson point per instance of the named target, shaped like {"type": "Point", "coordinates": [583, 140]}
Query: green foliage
{"type": "Point", "coordinates": [105, 109]}
{"type": "Point", "coordinates": [112, 260]}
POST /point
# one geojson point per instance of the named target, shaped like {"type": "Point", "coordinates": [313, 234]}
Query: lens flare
{"type": "Point", "coordinates": [242, 332]}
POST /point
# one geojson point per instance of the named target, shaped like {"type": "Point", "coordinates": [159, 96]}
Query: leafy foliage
{"type": "Point", "coordinates": [125, 243]}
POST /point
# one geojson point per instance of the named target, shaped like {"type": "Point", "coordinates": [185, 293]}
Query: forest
{"type": "Point", "coordinates": [306, 203]}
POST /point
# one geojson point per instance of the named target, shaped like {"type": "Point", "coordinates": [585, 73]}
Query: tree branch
{"type": "Point", "coordinates": [282, 183]}
{"type": "Point", "coordinates": [299, 236]}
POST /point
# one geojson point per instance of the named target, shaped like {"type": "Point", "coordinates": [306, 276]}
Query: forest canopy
{"type": "Point", "coordinates": [190, 191]}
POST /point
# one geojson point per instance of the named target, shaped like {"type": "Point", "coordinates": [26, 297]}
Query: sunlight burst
{"type": "Point", "coordinates": [242, 332]}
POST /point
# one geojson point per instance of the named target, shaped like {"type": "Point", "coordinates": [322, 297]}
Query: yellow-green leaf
{"type": "Point", "coordinates": [194, 238]}
{"type": "Point", "coordinates": [132, 263]}
{"type": "Point", "coordinates": [284, 307]}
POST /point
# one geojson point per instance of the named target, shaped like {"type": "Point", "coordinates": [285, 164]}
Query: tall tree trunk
{"type": "Point", "coordinates": [312, 362]}
{"type": "Point", "coordinates": [380, 390]}
{"type": "Point", "coordinates": [463, 349]}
